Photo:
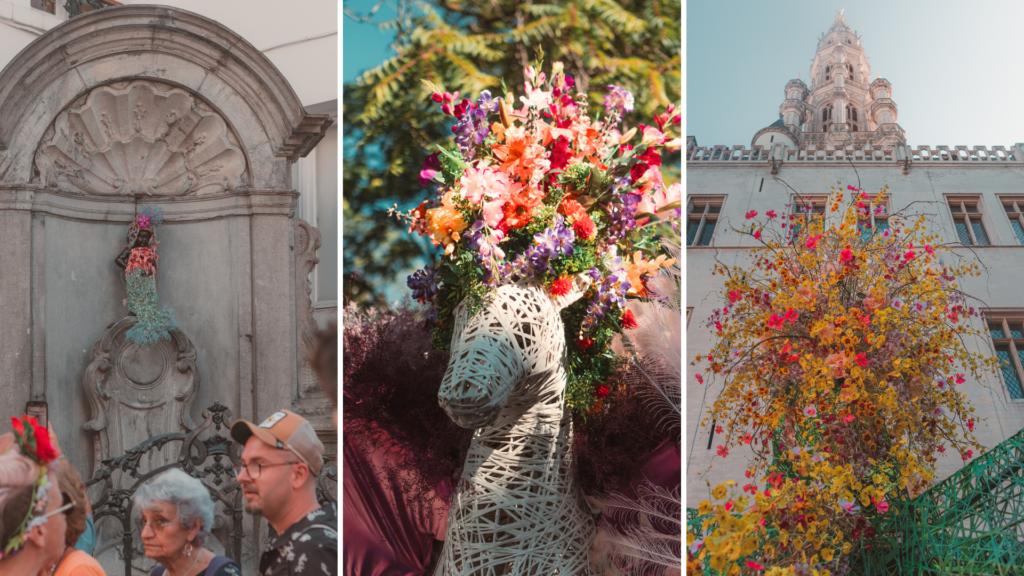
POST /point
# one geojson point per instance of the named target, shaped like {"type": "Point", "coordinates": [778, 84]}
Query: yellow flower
{"type": "Point", "coordinates": [826, 554]}
{"type": "Point", "coordinates": [847, 547]}
{"type": "Point", "coordinates": [719, 492]}
{"type": "Point", "coordinates": [704, 508]}
{"type": "Point", "coordinates": [749, 546]}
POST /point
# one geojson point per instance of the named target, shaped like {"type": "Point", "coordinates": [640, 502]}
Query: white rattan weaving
{"type": "Point", "coordinates": [517, 509]}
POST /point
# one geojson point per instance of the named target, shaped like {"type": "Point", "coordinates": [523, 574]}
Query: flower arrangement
{"type": "Point", "coordinates": [547, 192]}
{"type": "Point", "coordinates": [34, 443]}
{"type": "Point", "coordinates": [139, 261]}
{"type": "Point", "coordinates": [841, 349]}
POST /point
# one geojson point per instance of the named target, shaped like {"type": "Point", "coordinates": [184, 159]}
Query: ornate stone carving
{"type": "Point", "coordinates": [139, 138]}
{"type": "Point", "coordinates": [307, 242]}
{"type": "Point", "coordinates": [517, 509]}
{"type": "Point", "coordinates": [135, 393]}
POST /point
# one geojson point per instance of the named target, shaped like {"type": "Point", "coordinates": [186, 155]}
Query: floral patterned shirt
{"type": "Point", "coordinates": [310, 546]}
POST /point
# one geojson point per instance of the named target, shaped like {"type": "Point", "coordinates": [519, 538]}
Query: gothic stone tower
{"type": "Point", "coordinates": [842, 106]}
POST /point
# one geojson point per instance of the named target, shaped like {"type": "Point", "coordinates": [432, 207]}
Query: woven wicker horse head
{"type": "Point", "coordinates": [517, 509]}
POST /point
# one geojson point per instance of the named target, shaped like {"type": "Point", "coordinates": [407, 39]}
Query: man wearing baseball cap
{"type": "Point", "coordinates": [278, 472]}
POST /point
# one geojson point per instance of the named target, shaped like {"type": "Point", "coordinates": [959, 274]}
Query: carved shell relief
{"type": "Point", "coordinates": [140, 138]}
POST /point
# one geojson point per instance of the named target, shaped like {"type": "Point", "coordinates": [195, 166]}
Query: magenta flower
{"type": "Point", "coordinates": [751, 214]}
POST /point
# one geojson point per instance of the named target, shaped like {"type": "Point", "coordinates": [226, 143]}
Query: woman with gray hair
{"type": "Point", "coordinates": [174, 512]}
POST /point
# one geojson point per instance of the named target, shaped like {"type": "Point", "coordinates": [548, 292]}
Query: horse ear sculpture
{"type": "Point", "coordinates": [517, 508]}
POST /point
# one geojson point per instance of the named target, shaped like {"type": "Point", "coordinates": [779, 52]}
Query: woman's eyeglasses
{"type": "Point", "coordinates": [67, 503]}
{"type": "Point", "coordinates": [157, 524]}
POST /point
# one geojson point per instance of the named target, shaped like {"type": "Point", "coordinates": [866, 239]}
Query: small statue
{"type": "Point", "coordinates": [139, 262]}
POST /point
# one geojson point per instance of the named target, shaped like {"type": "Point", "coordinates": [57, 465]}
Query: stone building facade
{"type": "Point", "coordinates": [843, 127]}
{"type": "Point", "coordinates": [133, 105]}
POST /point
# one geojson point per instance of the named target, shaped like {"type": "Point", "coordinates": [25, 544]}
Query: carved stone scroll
{"type": "Point", "coordinates": [136, 393]}
{"type": "Point", "coordinates": [139, 138]}
{"type": "Point", "coordinates": [307, 242]}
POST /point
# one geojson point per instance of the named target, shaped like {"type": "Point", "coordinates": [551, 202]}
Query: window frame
{"type": "Point", "coordinates": [705, 216]}
{"type": "Point", "coordinates": [1003, 318]}
{"type": "Point", "coordinates": [807, 201]}
{"type": "Point", "coordinates": [1017, 203]}
{"type": "Point", "coordinates": [979, 213]}
{"type": "Point", "coordinates": [872, 202]}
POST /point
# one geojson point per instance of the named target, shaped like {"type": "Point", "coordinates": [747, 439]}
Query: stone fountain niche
{"type": "Point", "coordinates": [133, 105]}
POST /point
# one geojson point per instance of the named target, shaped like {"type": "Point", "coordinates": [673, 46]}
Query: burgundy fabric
{"type": "Point", "coordinates": [383, 534]}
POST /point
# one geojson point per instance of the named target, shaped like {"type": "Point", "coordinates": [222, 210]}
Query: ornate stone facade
{"type": "Point", "coordinates": [148, 104]}
{"type": "Point", "coordinates": [971, 195]}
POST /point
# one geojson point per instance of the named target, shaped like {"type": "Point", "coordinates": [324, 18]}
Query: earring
{"type": "Point", "coordinates": [188, 549]}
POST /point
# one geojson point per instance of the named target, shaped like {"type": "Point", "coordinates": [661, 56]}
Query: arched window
{"type": "Point", "coordinates": [851, 113]}
{"type": "Point", "coordinates": [826, 118]}
{"type": "Point", "coordinates": [828, 72]}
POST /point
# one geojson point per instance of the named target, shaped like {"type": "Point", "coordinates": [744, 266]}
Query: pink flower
{"type": "Point", "coordinates": [968, 455]}
{"type": "Point", "coordinates": [882, 506]}
{"type": "Point", "coordinates": [775, 322]}
{"type": "Point", "coordinates": [846, 255]}
{"type": "Point", "coordinates": [960, 379]}
{"type": "Point", "coordinates": [850, 187]}
{"type": "Point", "coordinates": [700, 379]}
{"type": "Point", "coordinates": [811, 411]}
{"type": "Point", "coordinates": [757, 235]}
{"type": "Point", "coordinates": [722, 451]}
{"type": "Point", "coordinates": [792, 315]}
{"type": "Point", "coordinates": [909, 255]}
{"type": "Point", "coordinates": [970, 424]}
{"type": "Point", "coordinates": [928, 248]}
{"type": "Point", "coordinates": [848, 418]}
{"type": "Point", "coordinates": [876, 302]}
{"type": "Point", "coordinates": [754, 565]}
{"type": "Point", "coordinates": [812, 242]}
{"type": "Point", "coordinates": [771, 214]}
{"type": "Point", "coordinates": [862, 360]}
{"type": "Point", "coordinates": [835, 364]}
{"type": "Point", "coordinates": [734, 296]}
{"type": "Point", "coordinates": [806, 293]}
{"type": "Point", "coordinates": [751, 214]}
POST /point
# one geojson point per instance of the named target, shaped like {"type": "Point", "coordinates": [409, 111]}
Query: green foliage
{"type": "Point", "coordinates": [391, 124]}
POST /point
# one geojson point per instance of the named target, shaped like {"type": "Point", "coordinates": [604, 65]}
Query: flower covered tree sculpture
{"type": "Point", "coordinates": [840, 350]}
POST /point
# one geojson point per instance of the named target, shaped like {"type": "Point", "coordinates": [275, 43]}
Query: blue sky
{"type": "Point", "coordinates": [955, 67]}
{"type": "Point", "coordinates": [364, 46]}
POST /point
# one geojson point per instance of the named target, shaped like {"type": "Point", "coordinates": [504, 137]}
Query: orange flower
{"type": "Point", "coordinates": [445, 224]}
{"type": "Point", "coordinates": [519, 208]}
{"type": "Point", "coordinates": [571, 209]}
{"type": "Point", "coordinates": [835, 364]}
{"type": "Point", "coordinates": [875, 302]}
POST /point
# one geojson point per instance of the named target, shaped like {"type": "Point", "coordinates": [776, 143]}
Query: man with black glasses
{"type": "Point", "coordinates": [280, 463]}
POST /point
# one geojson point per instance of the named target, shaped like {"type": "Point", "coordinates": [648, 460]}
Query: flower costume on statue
{"type": "Point", "coordinates": [139, 261]}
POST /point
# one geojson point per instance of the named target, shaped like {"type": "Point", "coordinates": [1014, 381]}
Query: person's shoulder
{"type": "Point", "coordinates": [80, 563]}
{"type": "Point", "coordinates": [229, 569]}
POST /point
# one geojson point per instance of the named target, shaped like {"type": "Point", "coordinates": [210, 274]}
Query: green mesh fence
{"type": "Point", "coordinates": [970, 523]}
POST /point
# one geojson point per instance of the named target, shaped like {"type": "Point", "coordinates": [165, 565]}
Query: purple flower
{"type": "Point", "coordinates": [471, 130]}
{"type": "Point", "coordinates": [622, 216]}
{"type": "Point", "coordinates": [431, 166]}
{"type": "Point", "coordinates": [618, 99]}
{"type": "Point", "coordinates": [538, 258]}
{"type": "Point", "coordinates": [143, 220]}
{"type": "Point", "coordinates": [485, 241]}
{"type": "Point", "coordinates": [424, 283]}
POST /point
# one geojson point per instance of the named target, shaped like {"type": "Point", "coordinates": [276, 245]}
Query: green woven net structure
{"type": "Point", "coordinates": [970, 523]}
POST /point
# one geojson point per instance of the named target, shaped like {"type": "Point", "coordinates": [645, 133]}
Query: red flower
{"type": "Point", "coordinates": [562, 286]}
{"type": "Point", "coordinates": [44, 450]}
{"type": "Point", "coordinates": [723, 451]}
{"type": "Point", "coordinates": [846, 255]}
{"type": "Point", "coordinates": [775, 322]}
{"type": "Point", "coordinates": [700, 379]}
{"type": "Point", "coordinates": [602, 392]}
{"type": "Point", "coordinates": [754, 565]}
{"type": "Point", "coordinates": [16, 424]}
{"type": "Point", "coordinates": [637, 171]}
{"type": "Point", "coordinates": [771, 214]}
{"type": "Point", "coordinates": [519, 209]}
{"type": "Point", "coordinates": [650, 156]}
{"type": "Point", "coordinates": [584, 342]}
{"type": "Point", "coordinates": [571, 209]}
{"type": "Point", "coordinates": [747, 438]}
{"type": "Point", "coordinates": [584, 227]}
{"type": "Point", "coordinates": [734, 295]}
{"type": "Point", "coordinates": [757, 235]}
{"type": "Point", "coordinates": [960, 379]}
{"type": "Point", "coordinates": [792, 316]}
{"type": "Point", "coordinates": [968, 455]}
{"type": "Point", "coordinates": [629, 321]}
{"type": "Point", "coordinates": [970, 424]}
{"type": "Point", "coordinates": [862, 360]}
{"type": "Point", "coordinates": [751, 214]}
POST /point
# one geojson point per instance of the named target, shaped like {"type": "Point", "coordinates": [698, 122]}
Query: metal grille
{"type": "Point", "coordinates": [979, 234]}
{"type": "Point", "coordinates": [963, 234]}
{"type": "Point", "coordinates": [1018, 230]}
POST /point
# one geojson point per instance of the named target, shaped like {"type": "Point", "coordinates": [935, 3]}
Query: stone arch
{"type": "Point", "coordinates": [164, 45]}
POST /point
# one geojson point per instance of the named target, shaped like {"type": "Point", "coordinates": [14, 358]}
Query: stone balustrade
{"type": "Point", "coordinates": [858, 153]}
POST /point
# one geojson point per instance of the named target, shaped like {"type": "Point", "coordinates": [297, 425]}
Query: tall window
{"type": "Point", "coordinates": [806, 208]}
{"type": "Point", "coordinates": [1008, 338]}
{"type": "Point", "coordinates": [826, 117]}
{"type": "Point", "coordinates": [702, 217]}
{"type": "Point", "coordinates": [1015, 211]}
{"type": "Point", "coordinates": [851, 116]}
{"type": "Point", "coordinates": [967, 220]}
{"type": "Point", "coordinates": [873, 219]}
